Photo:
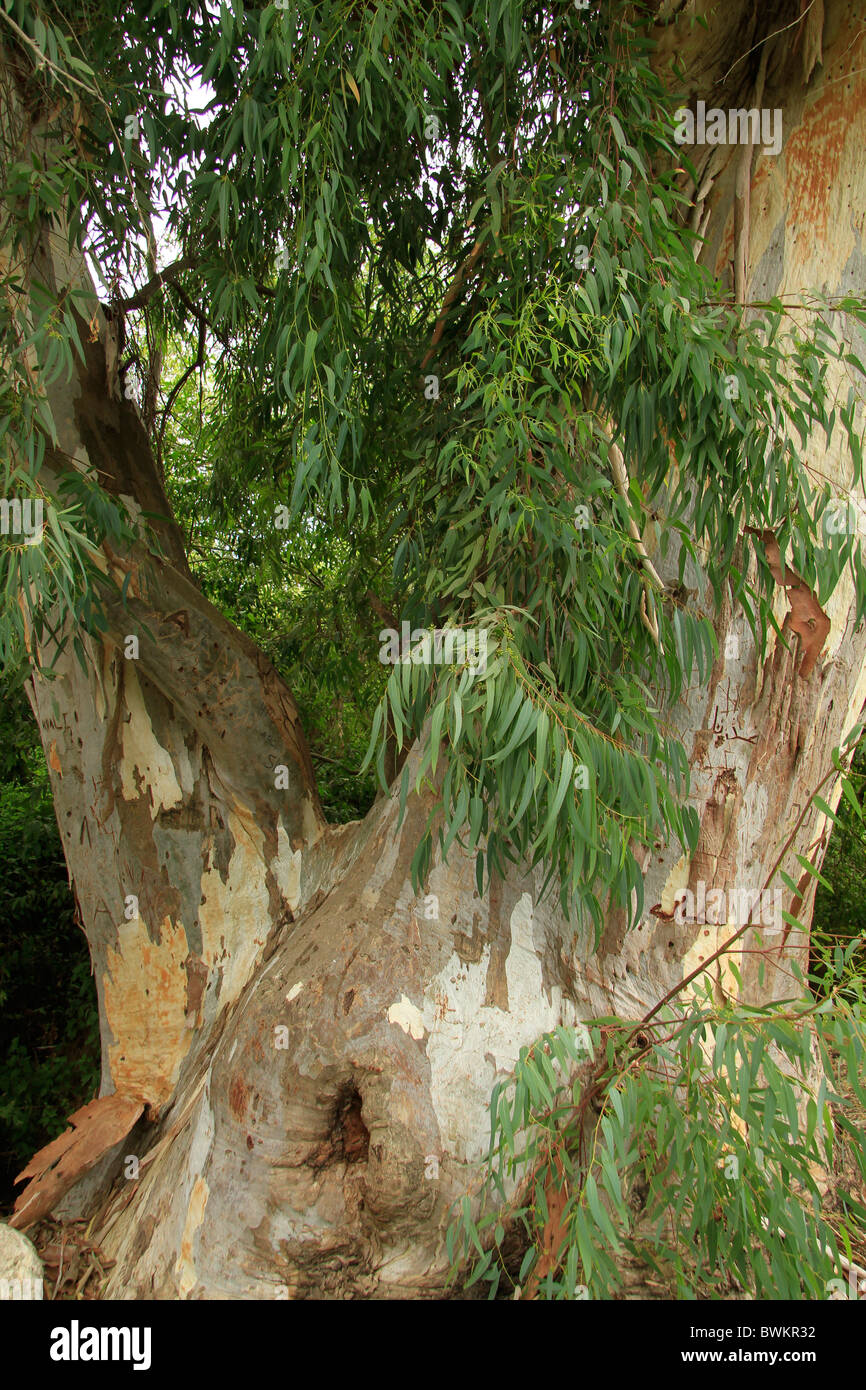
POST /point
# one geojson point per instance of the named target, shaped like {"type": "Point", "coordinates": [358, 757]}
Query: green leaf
{"type": "Point", "coordinates": [309, 348]}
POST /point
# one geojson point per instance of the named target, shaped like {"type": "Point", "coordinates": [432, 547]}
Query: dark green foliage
{"type": "Point", "coordinates": [840, 915]}
{"type": "Point", "coordinates": [49, 1032]}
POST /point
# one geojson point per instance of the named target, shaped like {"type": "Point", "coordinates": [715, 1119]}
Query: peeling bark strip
{"type": "Point", "coordinates": [96, 1128]}
{"type": "Point", "coordinates": [554, 1233]}
{"type": "Point", "coordinates": [806, 617]}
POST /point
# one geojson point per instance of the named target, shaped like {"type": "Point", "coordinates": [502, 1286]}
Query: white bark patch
{"type": "Point", "coordinates": [134, 507]}
{"type": "Point", "coordinates": [677, 879]}
{"type": "Point", "coordinates": [184, 769]}
{"type": "Point", "coordinates": [712, 938]}
{"type": "Point", "coordinates": [294, 991]}
{"type": "Point", "coordinates": [235, 916]}
{"type": "Point", "coordinates": [471, 1043]}
{"type": "Point", "coordinates": [312, 825]}
{"type": "Point", "coordinates": [286, 869]}
{"type": "Point", "coordinates": [408, 1017]}
{"type": "Point", "coordinates": [145, 762]}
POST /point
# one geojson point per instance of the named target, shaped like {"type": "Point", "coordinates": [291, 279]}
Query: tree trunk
{"type": "Point", "coordinates": [316, 1046]}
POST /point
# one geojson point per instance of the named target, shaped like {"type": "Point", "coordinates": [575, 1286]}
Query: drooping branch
{"type": "Point", "coordinates": [622, 482]}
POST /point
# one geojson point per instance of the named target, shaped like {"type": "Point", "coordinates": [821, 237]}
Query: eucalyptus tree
{"type": "Point", "coordinates": [571, 382]}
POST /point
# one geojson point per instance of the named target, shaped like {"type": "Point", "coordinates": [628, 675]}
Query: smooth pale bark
{"type": "Point", "coordinates": [316, 1045]}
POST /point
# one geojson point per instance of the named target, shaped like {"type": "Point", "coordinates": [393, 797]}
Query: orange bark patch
{"type": "Point", "coordinates": [185, 1267]}
{"type": "Point", "coordinates": [146, 1004]}
{"type": "Point", "coordinates": [816, 148]}
{"type": "Point", "coordinates": [239, 1095]}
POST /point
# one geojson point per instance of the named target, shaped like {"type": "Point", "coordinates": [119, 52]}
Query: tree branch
{"type": "Point", "coordinates": [455, 288]}
{"type": "Point", "coordinates": [621, 482]}
{"type": "Point", "coordinates": [155, 283]}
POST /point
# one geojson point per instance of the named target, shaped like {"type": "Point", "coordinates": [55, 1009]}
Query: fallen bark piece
{"type": "Point", "coordinates": [96, 1128]}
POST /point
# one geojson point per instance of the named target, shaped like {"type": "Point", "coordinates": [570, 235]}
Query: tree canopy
{"type": "Point", "coordinates": [437, 259]}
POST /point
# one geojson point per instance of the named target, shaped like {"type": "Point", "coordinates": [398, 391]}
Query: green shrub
{"type": "Point", "coordinates": [49, 1032]}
